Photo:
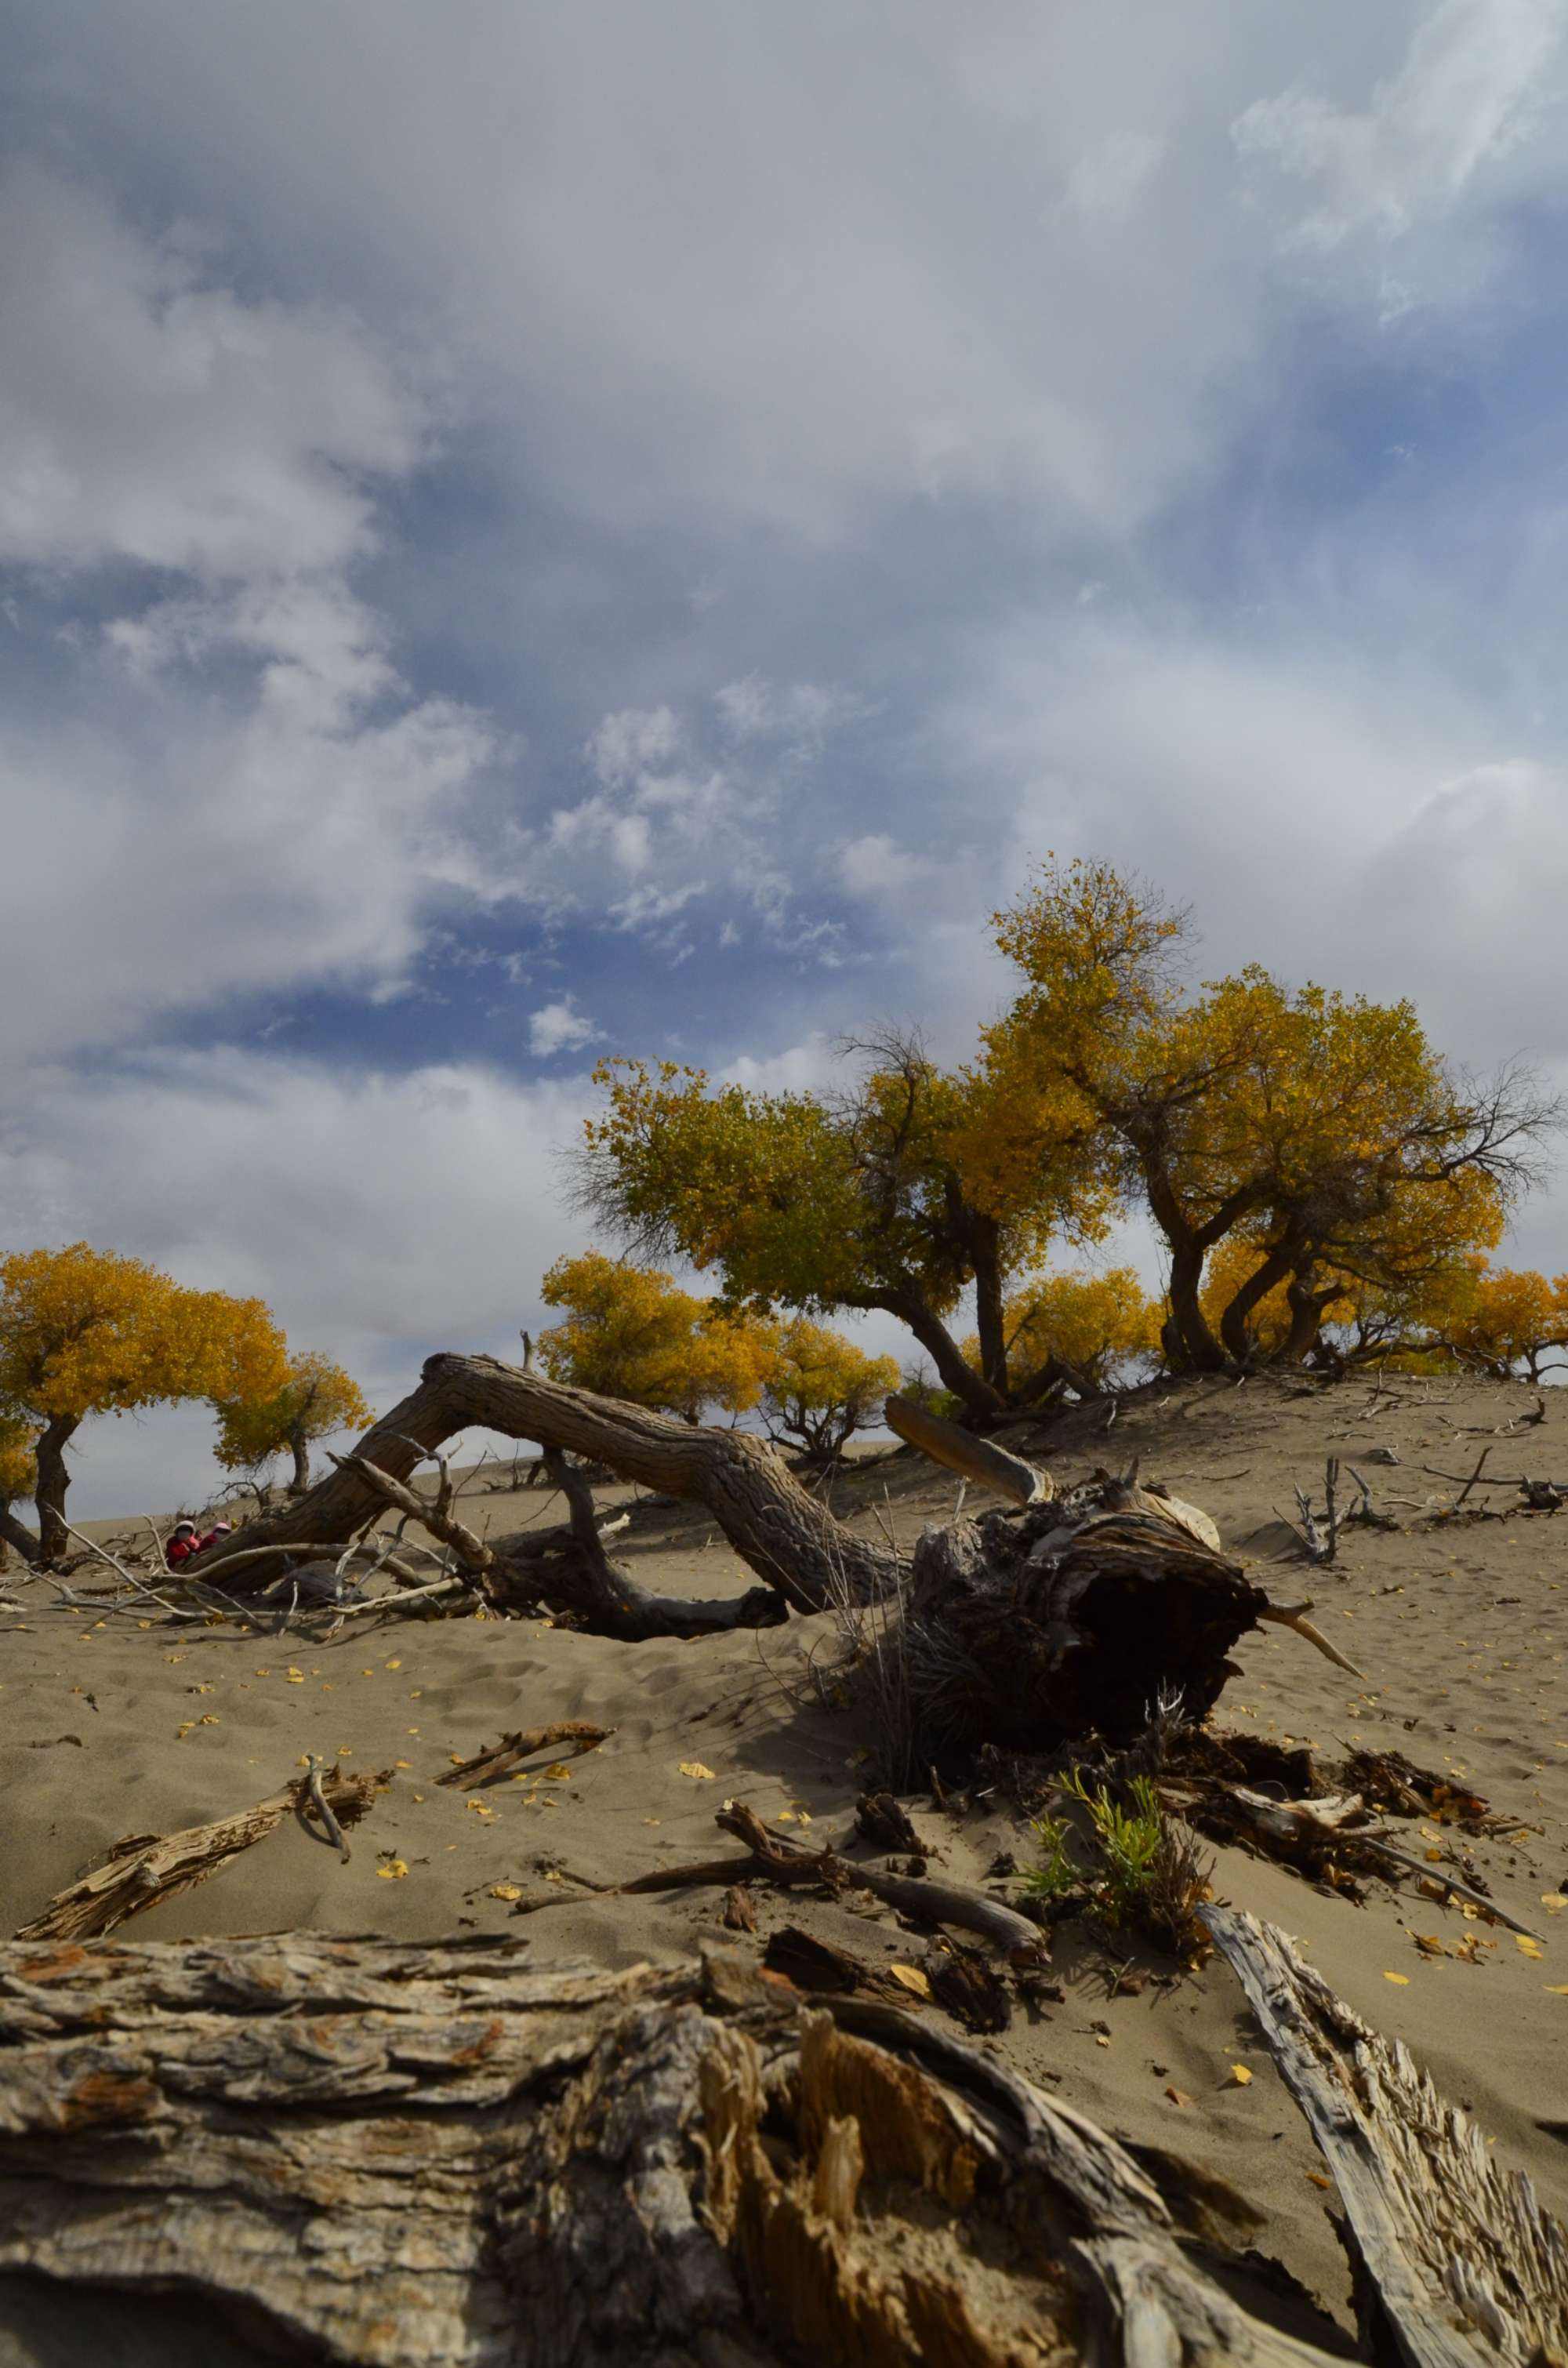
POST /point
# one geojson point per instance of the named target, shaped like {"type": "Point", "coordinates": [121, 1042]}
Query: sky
{"type": "Point", "coordinates": [534, 532]}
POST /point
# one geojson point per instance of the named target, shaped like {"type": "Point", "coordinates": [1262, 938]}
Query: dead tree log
{"type": "Point", "coordinates": [1456, 2264]}
{"type": "Point", "coordinates": [396, 2155]}
{"type": "Point", "coordinates": [796, 1547]}
{"type": "Point", "coordinates": [1072, 1619]}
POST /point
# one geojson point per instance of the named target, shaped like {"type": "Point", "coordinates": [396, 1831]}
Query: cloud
{"type": "Point", "coordinates": [875, 866]}
{"type": "Point", "coordinates": [1468, 91]}
{"type": "Point", "coordinates": [152, 414]}
{"type": "Point", "coordinates": [561, 1028]}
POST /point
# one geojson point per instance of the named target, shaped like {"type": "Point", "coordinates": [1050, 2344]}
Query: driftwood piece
{"type": "Point", "coordinates": [913, 1895]}
{"type": "Point", "coordinates": [145, 1868]}
{"type": "Point", "coordinates": [499, 1759]}
{"type": "Point", "coordinates": [1456, 2264]}
{"type": "Point", "coordinates": [391, 2156]}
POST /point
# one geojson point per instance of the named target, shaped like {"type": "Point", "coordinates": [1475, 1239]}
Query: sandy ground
{"type": "Point", "coordinates": [110, 1729]}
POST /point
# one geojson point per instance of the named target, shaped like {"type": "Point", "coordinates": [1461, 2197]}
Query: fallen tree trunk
{"type": "Point", "coordinates": [1456, 2264]}
{"type": "Point", "coordinates": [793, 1543]}
{"type": "Point", "coordinates": [394, 2155]}
{"type": "Point", "coordinates": [1072, 1619]}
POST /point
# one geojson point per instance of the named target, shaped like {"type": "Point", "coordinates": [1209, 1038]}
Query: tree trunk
{"type": "Point", "coordinates": [784, 1534]}
{"type": "Point", "coordinates": [1201, 1352]}
{"type": "Point", "coordinates": [299, 1447]}
{"type": "Point", "coordinates": [12, 1533]}
{"type": "Point", "coordinates": [990, 1323]}
{"type": "Point", "coordinates": [53, 1480]}
{"type": "Point", "coordinates": [389, 2155]}
{"type": "Point", "coordinates": [1235, 1329]}
{"type": "Point", "coordinates": [953, 1369]}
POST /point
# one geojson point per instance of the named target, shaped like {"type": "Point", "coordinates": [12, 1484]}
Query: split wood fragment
{"type": "Point", "coordinates": [147, 1867]}
{"type": "Point", "coordinates": [486, 1767]}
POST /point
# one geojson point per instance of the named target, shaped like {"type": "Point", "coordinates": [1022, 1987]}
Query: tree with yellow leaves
{"type": "Point", "coordinates": [819, 1388]}
{"type": "Point", "coordinates": [18, 1478]}
{"type": "Point", "coordinates": [901, 1191]}
{"type": "Point", "coordinates": [317, 1398]}
{"type": "Point", "coordinates": [631, 1332]}
{"type": "Point", "coordinates": [1504, 1317]}
{"type": "Point", "coordinates": [1078, 1330]}
{"type": "Point", "coordinates": [1322, 1128]}
{"type": "Point", "coordinates": [86, 1331]}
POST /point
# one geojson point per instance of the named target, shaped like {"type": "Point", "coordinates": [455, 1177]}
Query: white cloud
{"type": "Point", "coordinates": [875, 866]}
{"type": "Point", "coordinates": [1468, 91]}
{"type": "Point", "coordinates": [380, 1217]}
{"type": "Point", "coordinates": [559, 1027]}
{"type": "Point", "coordinates": [149, 414]}
{"type": "Point", "coordinates": [626, 745]}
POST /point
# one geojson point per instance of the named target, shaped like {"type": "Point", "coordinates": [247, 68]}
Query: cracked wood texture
{"type": "Point", "coordinates": [362, 2152]}
{"type": "Point", "coordinates": [1456, 2262]}
{"type": "Point", "coordinates": [789, 1540]}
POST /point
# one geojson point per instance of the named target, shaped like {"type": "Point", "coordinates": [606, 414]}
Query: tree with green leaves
{"type": "Point", "coordinates": [880, 1195]}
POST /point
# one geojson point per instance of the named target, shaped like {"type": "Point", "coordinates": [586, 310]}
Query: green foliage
{"type": "Point", "coordinates": [1144, 1872]}
{"type": "Point", "coordinates": [1127, 1839]}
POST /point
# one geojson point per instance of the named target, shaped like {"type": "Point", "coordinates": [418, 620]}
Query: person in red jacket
{"type": "Point", "coordinates": [183, 1543]}
{"type": "Point", "coordinates": [219, 1530]}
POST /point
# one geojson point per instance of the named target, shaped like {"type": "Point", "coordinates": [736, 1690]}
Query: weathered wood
{"type": "Point", "coordinates": [1457, 2263]}
{"type": "Point", "coordinates": [947, 1443]}
{"type": "Point", "coordinates": [499, 1759]}
{"type": "Point", "coordinates": [1076, 1617]}
{"type": "Point", "coordinates": [786, 1536]}
{"type": "Point", "coordinates": [396, 2156]}
{"type": "Point", "coordinates": [146, 1868]}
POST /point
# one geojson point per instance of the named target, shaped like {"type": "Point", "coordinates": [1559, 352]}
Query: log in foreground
{"type": "Point", "coordinates": [399, 2155]}
{"type": "Point", "coordinates": [1456, 2264]}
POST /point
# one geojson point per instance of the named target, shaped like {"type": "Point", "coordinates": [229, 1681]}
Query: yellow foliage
{"type": "Point", "coordinates": [86, 1331]}
{"type": "Point", "coordinates": [1508, 1317]}
{"type": "Point", "coordinates": [820, 1388]}
{"type": "Point", "coordinates": [1092, 1325]}
{"type": "Point", "coordinates": [1321, 1125]}
{"type": "Point", "coordinates": [631, 1333]}
{"type": "Point", "coordinates": [18, 1472]}
{"type": "Point", "coordinates": [317, 1398]}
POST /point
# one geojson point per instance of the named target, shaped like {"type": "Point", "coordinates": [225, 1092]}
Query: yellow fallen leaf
{"type": "Point", "coordinates": [455, 1757]}
{"type": "Point", "coordinates": [388, 1665]}
{"type": "Point", "coordinates": [695, 1769]}
{"type": "Point", "coordinates": [1178, 2096]}
{"type": "Point", "coordinates": [785, 1818]}
{"type": "Point", "coordinates": [394, 1870]}
{"type": "Point", "coordinates": [1240, 2077]}
{"type": "Point", "coordinates": [1403, 1979]}
{"type": "Point", "coordinates": [911, 1978]}
{"type": "Point", "coordinates": [208, 1719]}
{"type": "Point", "coordinates": [1526, 1946]}
{"type": "Point", "coordinates": [1555, 1989]}
{"type": "Point", "coordinates": [403, 1763]}
{"type": "Point", "coordinates": [559, 1773]}
{"type": "Point", "coordinates": [504, 1891]}
{"type": "Point", "coordinates": [296, 1676]}
{"type": "Point", "coordinates": [652, 1821]}
{"type": "Point", "coordinates": [1318, 2179]}
{"type": "Point", "coordinates": [1554, 1902]}
{"type": "Point", "coordinates": [1101, 2040]}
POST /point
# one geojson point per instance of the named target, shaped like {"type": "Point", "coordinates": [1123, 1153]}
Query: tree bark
{"type": "Point", "coordinates": [791, 1540]}
{"type": "Point", "coordinates": [390, 2155]}
{"type": "Point", "coordinates": [12, 1533]}
{"type": "Point", "coordinates": [1234, 1331]}
{"type": "Point", "coordinates": [53, 1480]}
{"type": "Point", "coordinates": [991, 1326]}
{"type": "Point", "coordinates": [953, 1369]}
{"type": "Point", "coordinates": [299, 1447]}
